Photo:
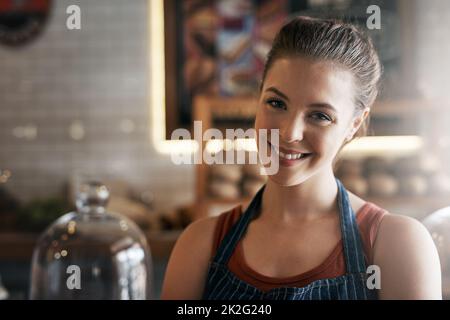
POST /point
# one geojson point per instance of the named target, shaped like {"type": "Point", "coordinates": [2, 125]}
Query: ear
{"type": "Point", "coordinates": [357, 121]}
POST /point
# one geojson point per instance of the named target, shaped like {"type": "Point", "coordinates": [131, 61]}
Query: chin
{"type": "Point", "coordinates": [288, 181]}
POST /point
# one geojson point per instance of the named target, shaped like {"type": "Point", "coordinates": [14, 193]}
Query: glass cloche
{"type": "Point", "coordinates": [438, 224]}
{"type": "Point", "coordinates": [92, 254]}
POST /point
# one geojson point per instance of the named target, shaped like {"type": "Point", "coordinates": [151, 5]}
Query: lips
{"type": "Point", "coordinates": [289, 151]}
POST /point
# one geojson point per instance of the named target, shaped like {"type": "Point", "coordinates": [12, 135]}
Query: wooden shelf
{"type": "Point", "coordinates": [232, 107]}
{"type": "Point", "coordinates": [19, 246]}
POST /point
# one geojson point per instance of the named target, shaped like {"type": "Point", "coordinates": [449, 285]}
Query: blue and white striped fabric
{"type": "Point", "coordinates": [222, 284]}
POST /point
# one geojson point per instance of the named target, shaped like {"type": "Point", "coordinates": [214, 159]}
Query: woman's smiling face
{"type": "Point", "coordinates": [312, 105]}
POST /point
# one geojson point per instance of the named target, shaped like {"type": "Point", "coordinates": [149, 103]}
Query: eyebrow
{"type": "Point", "coordinates": [323, 105]}
{"type": "Point", "coordinates": [278, 92]}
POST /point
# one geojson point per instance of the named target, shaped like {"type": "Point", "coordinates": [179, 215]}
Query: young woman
{"type": "Point", "coordinates": [304, 236]}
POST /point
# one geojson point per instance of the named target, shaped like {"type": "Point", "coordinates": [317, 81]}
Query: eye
{"type": "Point", "coordinates": [276, 103]}
{"type": "Point", "coordinates": [321, 117]}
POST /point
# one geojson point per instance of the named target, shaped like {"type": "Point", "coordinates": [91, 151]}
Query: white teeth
{"type": "Point", "coordinates": [292, 156]}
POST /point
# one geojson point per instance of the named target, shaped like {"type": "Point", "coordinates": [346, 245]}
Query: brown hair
{"type": "Point", "coordinates": [337, 42]}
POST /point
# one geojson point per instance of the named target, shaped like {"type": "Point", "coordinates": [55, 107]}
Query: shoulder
{"type": "Point", "coordinates": [399, 230]}
{"type": "Point", "coordinates": [188, 264]}
{"type": "Point", "coordinates": [199, 231]}
{"type": "Point", "coordinates": [408, 259]}
{"type": "Point", "coordinates": [407, 226]}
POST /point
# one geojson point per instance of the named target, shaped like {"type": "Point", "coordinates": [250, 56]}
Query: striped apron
{"type": "Point", "coordinates": [222, 284]}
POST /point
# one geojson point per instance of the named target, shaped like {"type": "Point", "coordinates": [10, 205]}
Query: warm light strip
{"type": "Point", "coordinates": [217, 145]}
{"type": "Point", "coordinates": [156, 72]}
{"type": "Point", "coordinates": [157, 85]}
{"type": "Point", "coordinates": [394, 145]}
{"type": "Point", "coordinates": [246, 144]}
{"type": "Point", "coordinates": [387, 145]}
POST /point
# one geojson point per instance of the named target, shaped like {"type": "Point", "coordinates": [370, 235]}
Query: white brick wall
{"type": "Point", "coordinates": [97, 75]}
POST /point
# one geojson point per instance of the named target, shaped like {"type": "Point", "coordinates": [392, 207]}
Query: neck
{"type": "Point", "coordinates": [312, 199]}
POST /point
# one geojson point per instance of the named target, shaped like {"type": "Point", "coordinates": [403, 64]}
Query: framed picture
{"type": "Point", "coordinates": [215, 47]}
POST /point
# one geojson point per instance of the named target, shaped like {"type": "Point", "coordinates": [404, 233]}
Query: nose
{"type": "Point", "coordinates": [293, 129]}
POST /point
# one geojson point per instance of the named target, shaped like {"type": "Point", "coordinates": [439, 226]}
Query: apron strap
{"type": "Point", "coordinates": [351, 239]}
{"type": "Point", "coordinates": [232, 238]}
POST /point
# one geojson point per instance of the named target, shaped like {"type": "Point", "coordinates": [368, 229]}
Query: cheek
{"type": "Point", "coordinates": [259, 124]}
{"type": "Point", "coordinates": [336, 144]}
{"type": "Point", "coordinates": [268, 121]}
{"type": "Point", "coordinates": [263, 120]}
{"type": "Point", "coordinates": [324, 143]}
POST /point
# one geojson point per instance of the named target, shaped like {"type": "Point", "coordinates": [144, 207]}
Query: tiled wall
{"type": "Point", "coordinates": [96, 77]}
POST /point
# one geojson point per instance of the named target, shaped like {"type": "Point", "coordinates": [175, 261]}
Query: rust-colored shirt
{"type": "Point", "coordinates": [368, 219]}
